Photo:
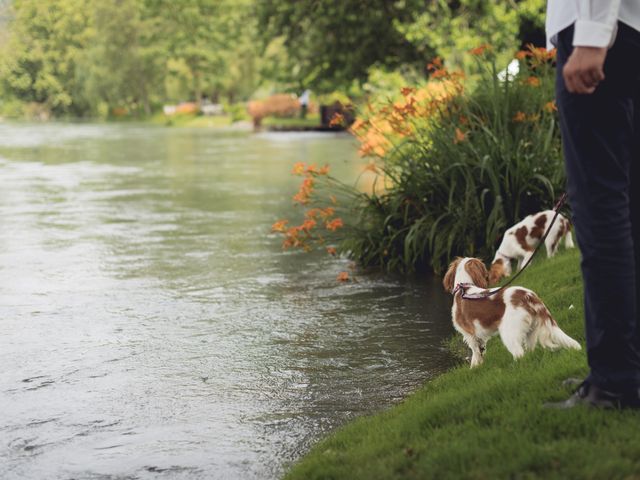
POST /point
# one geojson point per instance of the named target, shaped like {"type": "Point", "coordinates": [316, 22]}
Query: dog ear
{"type": "Point", "coordinates": [478, 272]}
{"type": "Point", "coordinates": [496, 272]}
{"type": "Point", "coordinates": [450, 276]}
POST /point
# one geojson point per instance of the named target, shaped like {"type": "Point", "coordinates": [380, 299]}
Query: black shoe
{"type": "Point", "coordinates": [593, 396]}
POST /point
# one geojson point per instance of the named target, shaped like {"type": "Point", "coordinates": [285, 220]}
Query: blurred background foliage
{"type": "Point", "coordinates": [88, 58]}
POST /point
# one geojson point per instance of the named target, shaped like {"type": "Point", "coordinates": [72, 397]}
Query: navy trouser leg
{"type": "Point", "coordinates": [600, 140]}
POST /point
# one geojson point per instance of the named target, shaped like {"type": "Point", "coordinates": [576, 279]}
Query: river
{"type": "Point", "coordinates": [151, 326]}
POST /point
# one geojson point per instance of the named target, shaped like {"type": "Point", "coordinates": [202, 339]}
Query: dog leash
{"type": "Point", "coordinates": [462, 287]}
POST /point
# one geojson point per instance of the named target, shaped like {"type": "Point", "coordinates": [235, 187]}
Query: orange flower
{"type": "Point", "coordinates": [337, 120]}
{"type": "Point", "coordinates": [550, 107]}
{"type": "Point", "coordinates": [541, 54]}
{"type": "Point", "coordinates": [279, 226]}
{"type": "Point", "coordinates": [308, 224]}
{"type": "Point", "coordinates": [343, 277]}
{"type": "Point", "coordinates": [533, 81]}
{"type": "Point", "coordinates": [435, 64]}
{"type": "Point", "coordinates": [312, 213]}
{"type": "Point", "coordinates": [305, 191]}
{"type": "Point", "coordinates": [480, 49]}
{"type": "Point", "coordinates": [324, 170]}
{"type": "Point", "coordinates": [520, 117]}
{"type": "Point", "coordinates": [460, 136]}
{"type": "Point", "coordinates": [298, 168]}
{"type": "Point", "coordinates": [357, 125]}
{"type": "Point", "coordinates": [439, 73]}
{"type": "Point", "coordinates": [327, 212]}
{"type": "Point", "coordinates": [406, 91]}
{"type": "Point", "coordinates": [522, 54]}
{"type": "Point", "coordinates": [334, 224]}
{"type": "Point", "coordinates": [331, 250]}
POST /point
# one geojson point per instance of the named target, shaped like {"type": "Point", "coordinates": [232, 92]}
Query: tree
{"type": "Point", "coordinates": [122, 66]}
{"type": "Point", "coordinates": [332, 43]}
{"type": "Point", "coordinates": [39, 58]}
{"type": "Point", "coordinates": [450, 28]}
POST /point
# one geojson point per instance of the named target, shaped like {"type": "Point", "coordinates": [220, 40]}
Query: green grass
{"type": "Point", "coordinates": [489, 422]}
{"type": "Point", "coordinates": [311, 120]}
{"type": "Point", "coordinates": [194, 121]}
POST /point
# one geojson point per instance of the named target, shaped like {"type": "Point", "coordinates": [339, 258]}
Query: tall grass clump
{"type": "Point", "coordinates": [457, 160]}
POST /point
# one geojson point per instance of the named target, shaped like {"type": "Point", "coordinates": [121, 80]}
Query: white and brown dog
{"type": "Point", "coordinates": [515, 313]}
{"type": "Point", "coordinates": [520, 241]}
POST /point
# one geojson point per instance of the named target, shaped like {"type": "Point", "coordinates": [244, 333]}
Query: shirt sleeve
{"type": "Point", "coordinates": [596, 23]}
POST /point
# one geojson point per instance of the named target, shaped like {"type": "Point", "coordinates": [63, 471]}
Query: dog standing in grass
{"type": "Point", "coordinates": [517, 314]}
{"type": "Point", "coordinates": [520, 241]}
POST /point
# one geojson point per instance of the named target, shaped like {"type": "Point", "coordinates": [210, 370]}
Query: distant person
{"type": "Point", "coordinates": [304, 103]}
{"type": "Point", "coordinates": [598, 95]}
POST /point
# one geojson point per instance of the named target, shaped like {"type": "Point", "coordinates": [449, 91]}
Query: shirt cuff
{"type": "Point", "coordinates": [592, 34]}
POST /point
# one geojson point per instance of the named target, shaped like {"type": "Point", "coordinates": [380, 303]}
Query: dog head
{"type": "Point", "coordinates": [448, 282]}
{"type": "Point", "coordinates": [476, 269]}
{"type": "Point", "coordinates": [473, 270]}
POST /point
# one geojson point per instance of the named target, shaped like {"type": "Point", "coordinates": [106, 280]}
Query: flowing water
{"type": "Point", "coordinates": [151, 326]}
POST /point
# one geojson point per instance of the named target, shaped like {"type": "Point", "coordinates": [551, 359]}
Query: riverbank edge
{"type": "Point", "coordinates": [490, 422]}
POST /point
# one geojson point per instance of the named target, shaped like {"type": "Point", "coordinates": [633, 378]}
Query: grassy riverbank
{"type": "Point", "coordinates": [489, 422]}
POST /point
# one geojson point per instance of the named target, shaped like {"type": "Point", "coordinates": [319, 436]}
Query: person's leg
{"type": "Point", "coordinates": [598, 136]}
{"type": "Point", "coordinates": [635, 204]}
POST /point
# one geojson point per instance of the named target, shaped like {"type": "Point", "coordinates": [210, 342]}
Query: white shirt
{"type": "Point", "coordinates": [595, 20]}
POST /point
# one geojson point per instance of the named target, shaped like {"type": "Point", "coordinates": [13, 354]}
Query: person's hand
{"type": "Point", "coordinates": [584, 69]}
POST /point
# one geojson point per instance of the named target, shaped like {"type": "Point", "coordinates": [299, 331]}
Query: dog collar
{"type": "Point", "coordinates": [462, 287]}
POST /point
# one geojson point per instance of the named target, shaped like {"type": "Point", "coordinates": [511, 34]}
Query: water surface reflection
{"type": "Point", "coordinates": [152, 328]}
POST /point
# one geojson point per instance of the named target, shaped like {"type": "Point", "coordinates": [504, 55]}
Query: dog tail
{"type": "Point", "coordinates": [568, 237]}
{"type": "Point", "coordinates": [551, 336]}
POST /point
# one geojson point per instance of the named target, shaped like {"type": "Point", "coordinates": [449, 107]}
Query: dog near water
{"type": "Point", "coordinates": [516, 314]}
{"type": "Point", "coordinates": [520, 241]}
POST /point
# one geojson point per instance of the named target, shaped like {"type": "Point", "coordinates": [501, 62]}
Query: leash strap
{"type": "Point", "coordinates": [462, 287]}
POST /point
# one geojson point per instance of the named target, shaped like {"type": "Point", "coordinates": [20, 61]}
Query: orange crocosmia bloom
{"type": "Point", "coordinates": [306, 188]}
{"type": "Point", "coordinates": [533, 81]}
{"type": "Point", "coordinates": [334, 224]}
{"type": "Point", "coordinates": [308, 224]}
{"type": "Point", "coordinates": [312, 213]}
{"type": "Point", "coordinates": [279, 226]}
{"type": "Point", "coordinates": [327, 212]}
{"type": "Point", "coordinates": [336, 120]}
{"type": "Point", "coordinates": [541, 54]}
{"type": "Point", "coordinates": [479, 50]}
{"type": "Point", "coordinates": [520, 117]}
{"type": "Point", "coordinates": [357, 125]}
{"type": "Point", "coordinates": [550, 107]}
{"type": "Point", "coordinates": [435, 64]}
{"type": "Point", "coordinates": [440, 73]}
{"type": "Point", "coordinates": [323, 171]}
{"type": "Point", "coordinates": [460, 136]}
{"type": "Point", "coordinates": [298, 168]}
{"type": "Point", "coordinates": [343, 277]}
{"type": "Point", "coordinates": [331, 250]}
{"type": "Point", "coordinates": [522, 54]}
{"type": "Point", "coordinates": [371, 167]}
{"type": "Point", "coordinates": [406, 91]}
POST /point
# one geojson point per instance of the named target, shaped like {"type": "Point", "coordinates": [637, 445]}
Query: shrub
{"type": "Point", "coordinates": [279, 105]}
{"type": "Point", "coordinates": [459, 159]}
